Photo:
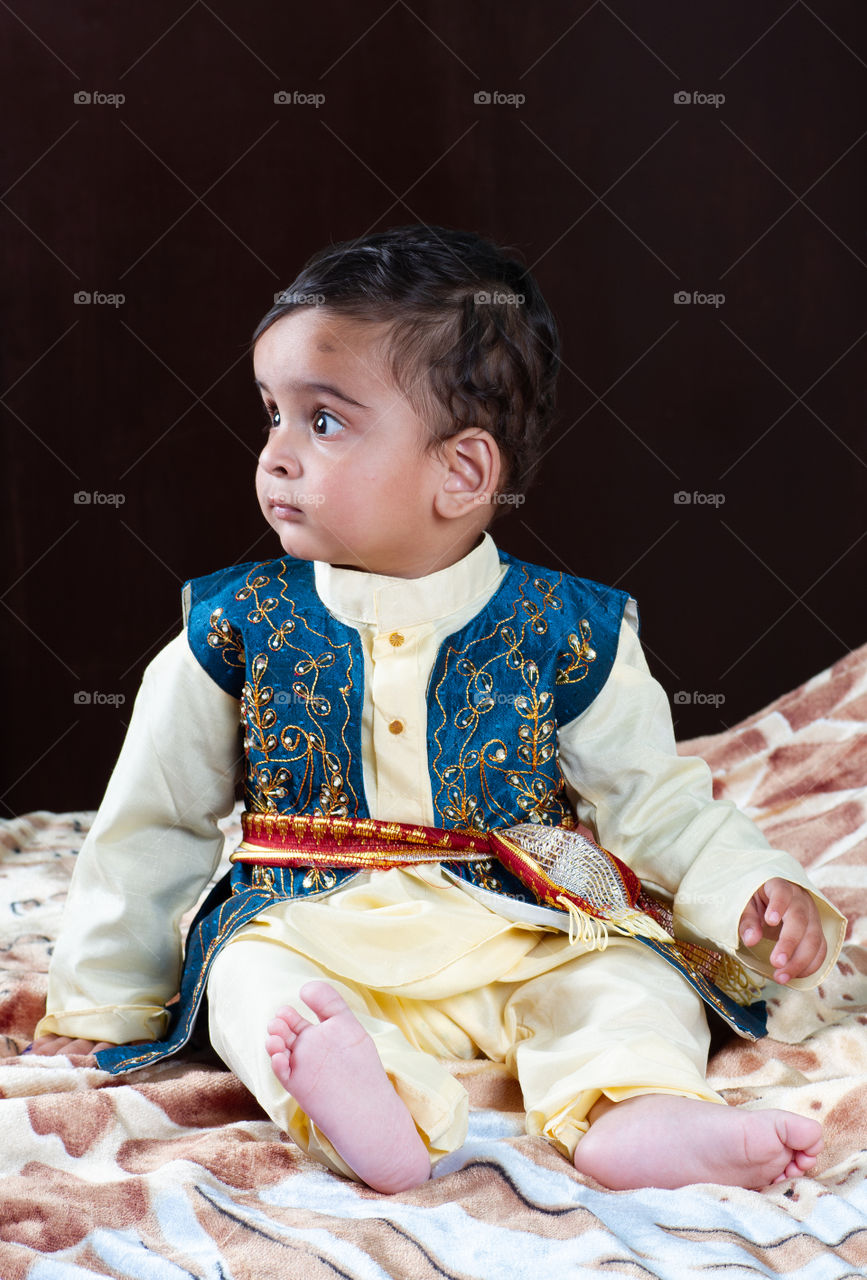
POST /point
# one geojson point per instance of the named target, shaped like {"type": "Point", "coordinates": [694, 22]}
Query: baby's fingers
{"type": "Point", "coordinates": [73, 1048]}
{"type": "Point", "coordinates": [779, 894]}
{"type": "Point", "coordinates": [801, 947]}
{"type": "Point", "coordinates": [751, 922]}
{"type": "Point", "coordinates": [47, 1046]}
{"type": "Point", "coordinates": [796, 959]}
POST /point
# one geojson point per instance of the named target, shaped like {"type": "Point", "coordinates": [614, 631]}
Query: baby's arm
{"type": "Point", "coordinates": [655, 809]}
{"type": "Point", "coordinates": [786, 912]}
{"type": "Point", "coordinates": [153, 846]}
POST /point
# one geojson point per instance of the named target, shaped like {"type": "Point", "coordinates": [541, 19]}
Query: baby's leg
{"type": "Point", "coordinates": [331, 1067]}
{"type": "Point", "coordinates": [613, 1073]}
{"type": "Point", "coordinates": [250, 980]}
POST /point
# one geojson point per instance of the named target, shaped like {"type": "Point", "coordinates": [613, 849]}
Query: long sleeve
{"type": "Point", "coordinates": [656, 811]}
{"type": "Point", "coordinates": [153, 846]}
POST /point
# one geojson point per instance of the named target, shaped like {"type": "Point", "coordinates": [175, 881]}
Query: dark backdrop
{"type": "Point", "coordinates": [198, 196]}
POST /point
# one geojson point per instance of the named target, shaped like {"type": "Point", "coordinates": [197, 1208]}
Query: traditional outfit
{"type": "Point", "coordinates": [489, 694]}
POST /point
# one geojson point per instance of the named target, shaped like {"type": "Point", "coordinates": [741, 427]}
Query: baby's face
{"type": "Point", "coordinates": [345, 475]}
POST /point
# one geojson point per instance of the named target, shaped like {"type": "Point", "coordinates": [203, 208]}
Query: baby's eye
{"type": "Point", "coordinates": [325, 433]}
{"type": "Point", "coordinates": [273, 419]}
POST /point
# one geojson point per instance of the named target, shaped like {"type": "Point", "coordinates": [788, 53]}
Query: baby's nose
{"type": "Point", "coordinates": [278, 458]}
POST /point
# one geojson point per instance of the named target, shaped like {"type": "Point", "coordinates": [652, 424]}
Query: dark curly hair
{"type": "Point", "coordinates": [471, 342]}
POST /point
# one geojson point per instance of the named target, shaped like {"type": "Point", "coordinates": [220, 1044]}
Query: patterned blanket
{"type": "Point", "coordinates": [175, 1172]}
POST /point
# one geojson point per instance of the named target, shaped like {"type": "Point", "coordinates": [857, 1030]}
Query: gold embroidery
{"type": "Point", "coordinates": [537, 620]}
{"type": "Point", "coordinates": [287, 769]}
{"type": "Point", "coordinates": [580, 657]}
{"type": "Point", "coordinates": [263, 878]}
{"type": "Point", "coordinates": [482, 875]}
{"type": "Point", "coordinates": [319, 878]}
{"type": "Point", "coordinates": [225, 637]}
{"type": "Point", "coordinates": [538, 795]}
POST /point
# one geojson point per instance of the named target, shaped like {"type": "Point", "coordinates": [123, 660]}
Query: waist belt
{"type": "Point", "coordinates": [561, 867]}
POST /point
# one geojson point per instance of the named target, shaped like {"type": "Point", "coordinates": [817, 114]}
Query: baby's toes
{"type": "Point", "coordinates": [277, 1041]}
{"type": "Point", "coordinates": [290, 1021]}
{"type": "Point", "coordinates": [804, 1160]}
{"type": "Point", "coordinates": [281, 1063]}
{"type": "Point", "coordinates": [798, 1165]}
{"type": "Point", "coordinates": [323, 999]}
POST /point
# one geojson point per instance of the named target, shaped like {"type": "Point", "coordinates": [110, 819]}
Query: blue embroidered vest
{"type": "Point", "coordinates": [532, 659]}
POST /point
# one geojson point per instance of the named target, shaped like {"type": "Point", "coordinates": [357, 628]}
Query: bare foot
{"type": "Point", "coordinates": [332, 1070]}
{"type": "Point", "coordinates": [660, 1140]}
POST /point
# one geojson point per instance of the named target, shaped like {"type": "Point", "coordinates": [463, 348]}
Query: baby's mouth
{"type": "Point", "coordinates": [284, 509]}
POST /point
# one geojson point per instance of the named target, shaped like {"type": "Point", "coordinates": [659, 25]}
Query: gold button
{"type": "Point", "coordinates": [396, 639]}
{"type": "Point", "coordinates": [396, 726]}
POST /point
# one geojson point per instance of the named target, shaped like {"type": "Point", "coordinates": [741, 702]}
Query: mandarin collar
{"type": "Point", "coordinates": [390, 602]}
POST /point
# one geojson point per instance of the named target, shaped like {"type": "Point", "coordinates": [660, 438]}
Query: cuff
{"type": "Point", "coordinates": [118, 1024]}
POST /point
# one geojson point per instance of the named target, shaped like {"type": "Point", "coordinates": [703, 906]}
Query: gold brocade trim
{"type": "Point", "coordinates": [293, 839]}
{"type": "Point", "coordinates": [729, 975]}
{"type": "Point", "coordinates": [321, 845]}
{"type": "Point", "coordinates": [300, 826]}
{"type": "Point", "coordinates": [396, 854]}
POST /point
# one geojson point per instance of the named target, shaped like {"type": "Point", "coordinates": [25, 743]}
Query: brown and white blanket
{"type": "Point", "coordinates": [174, 1171]}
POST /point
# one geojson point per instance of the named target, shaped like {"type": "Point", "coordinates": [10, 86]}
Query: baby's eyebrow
{"type": "Point", "coordinates": [316, 386]}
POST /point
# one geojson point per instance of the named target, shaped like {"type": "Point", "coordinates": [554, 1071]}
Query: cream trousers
{"type": "Point", "coordinates": [619, 1022]}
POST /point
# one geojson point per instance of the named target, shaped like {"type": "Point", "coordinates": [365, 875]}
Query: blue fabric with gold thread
{"type": "Point", "coordinates": [534, 657]}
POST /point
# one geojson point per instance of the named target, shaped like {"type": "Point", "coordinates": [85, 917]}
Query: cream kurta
{"type": "Point", "coordinates": [155, 841]}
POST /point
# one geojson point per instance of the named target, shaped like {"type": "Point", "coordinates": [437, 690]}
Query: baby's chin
{"type": "Point", "coordinates": [299, 545]}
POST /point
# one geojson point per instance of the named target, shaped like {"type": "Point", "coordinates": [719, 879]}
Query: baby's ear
{"type": "Point", "coordinates": [471, 470]}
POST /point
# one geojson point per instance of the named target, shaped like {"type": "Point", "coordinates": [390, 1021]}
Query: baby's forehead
{"type": "Point", "coordinates": [312, 343]}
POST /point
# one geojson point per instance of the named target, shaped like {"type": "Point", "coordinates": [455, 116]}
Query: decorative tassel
{"type": "Point", "coordinates": [584, 929]}
{"type": "Point", "coordinates": [637, 924]}
{"type": "Point", "coordinates": [732, 978]}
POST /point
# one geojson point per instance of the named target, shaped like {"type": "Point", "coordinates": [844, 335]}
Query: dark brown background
{"type": "Point", "coordinates": [199, 197]}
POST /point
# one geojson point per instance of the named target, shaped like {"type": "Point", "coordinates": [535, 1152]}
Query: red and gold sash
{"type": "Point", "coordinates": [561, 866]}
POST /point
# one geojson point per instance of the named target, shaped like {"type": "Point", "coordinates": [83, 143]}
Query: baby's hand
{"type": "Point", "coordinates": [786, 911]}
{"type": "Point", "coordinates": [67, 1045]}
